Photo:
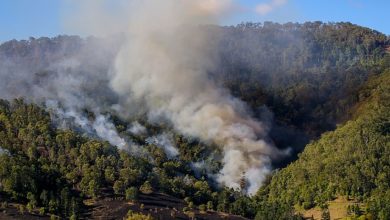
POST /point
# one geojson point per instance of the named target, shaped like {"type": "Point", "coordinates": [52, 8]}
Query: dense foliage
{"type": "Point", "coordinates": [352, 161]}
{"type": "Point", "coordinates": [52, 171]}
{"type": "Point", "coordinates": [307, 74]}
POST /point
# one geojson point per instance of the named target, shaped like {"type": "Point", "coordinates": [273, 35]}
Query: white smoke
{"type": "Point", "coordinates": [204, 167]}
{"type": "Point", "coordinates": [136, 128]}
{"type": "Point", "coordinates": [266, 8]}
{"type": "Point", "coordinates": [107, 131]}
{"type": "Point", "coordinates": [2, 151]}
{"type": "Point", "coordinates": [67, 76]}
{"type": "Point", "coordinates": [165, 65]}
{"type": "Point", "coordinates": [165, 142]}
{"type": "Point", "coordinates": [162, 67]}
{"type": "Point", "coordinates": [101, 126]}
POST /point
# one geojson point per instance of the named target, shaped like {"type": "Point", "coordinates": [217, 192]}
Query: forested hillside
{"type": "Point", "coordinates": [53, 171]}
{"type": "Point", "coordinates": [307, 74]}
{"type": "Point", "coordinates": [322, 90]}
{"type": "Point", "coordinates": [352, 161]}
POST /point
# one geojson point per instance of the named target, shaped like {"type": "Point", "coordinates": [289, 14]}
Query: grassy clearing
{"type": "Point", "coordinates": [338, 209]}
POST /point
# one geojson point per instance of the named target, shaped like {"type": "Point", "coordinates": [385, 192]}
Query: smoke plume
{"type": "Point", "coordinates": [164, 64]}
{"type": "Point", "coordinates": [159, 66]}
{"type": "Point", "coordinates": [136, 128]}
{"type": "Point", "coordinates": [164, 141]}
{"type": "Point", "coordinates": [66, 77]}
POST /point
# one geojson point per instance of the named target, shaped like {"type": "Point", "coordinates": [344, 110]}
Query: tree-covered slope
{"type": "Point", "coordinates": [46, 171]}
{"type": "Point", "coordinates": [353, 160]}
{"type": "Point", "coordinates": [305, 73]}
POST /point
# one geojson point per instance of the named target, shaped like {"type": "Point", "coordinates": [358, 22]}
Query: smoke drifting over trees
{"type": "Point", "coordinates": [160, 69]}
{"type": "Point", "coordinates": [164, 65]}
{"type": "Point", "coordinates": [164, 101]}
{"type": "Point", "coordinates": [160, 66]}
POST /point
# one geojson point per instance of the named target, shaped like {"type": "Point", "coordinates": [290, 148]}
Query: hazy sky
{"type": "Point", "coordinates": [21, 19]}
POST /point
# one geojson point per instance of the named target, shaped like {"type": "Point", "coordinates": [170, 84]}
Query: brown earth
{"type": "Point", "coordinates": [158, 205]}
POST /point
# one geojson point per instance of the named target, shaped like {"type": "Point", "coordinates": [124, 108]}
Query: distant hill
{"type": "Point", "coordinates": [307, 74]}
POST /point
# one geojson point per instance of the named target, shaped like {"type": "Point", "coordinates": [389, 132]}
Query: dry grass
{"type": "Point", "coordinates": [337, 209]}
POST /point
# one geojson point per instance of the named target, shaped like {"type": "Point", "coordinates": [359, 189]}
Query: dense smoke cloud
{"type": "Point", "coordinates": [165, 63]}
{"type": "Point", "coordinates": [64, 75]}
{"type": "Point", "coordinates": [161, 69]}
